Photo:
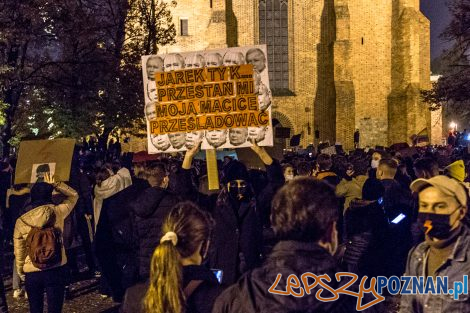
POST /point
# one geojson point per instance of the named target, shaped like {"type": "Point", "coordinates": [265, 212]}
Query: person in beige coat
{"type": "Point", "coordinates": [42, 212]}
{"type": "Point", "coordinates": [351, 186]}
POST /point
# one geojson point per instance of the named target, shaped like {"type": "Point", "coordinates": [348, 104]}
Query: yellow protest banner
{"type": "Point", "coordinates": [208, 95]}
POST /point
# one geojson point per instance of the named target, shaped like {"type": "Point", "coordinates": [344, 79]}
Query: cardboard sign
{"type": "Point", "coordinates": [37, 157]}
{"type": "Point", "coordinates": [215, 95]}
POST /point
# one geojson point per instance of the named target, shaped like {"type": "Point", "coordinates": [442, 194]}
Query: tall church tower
{"type": "Point", "coordinates": [335, 65]}
{"type": "Point", "coordinates": [381, 62]}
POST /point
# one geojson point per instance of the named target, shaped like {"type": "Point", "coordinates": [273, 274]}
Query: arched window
{"type": "Point", "coordinates": [273, 32]}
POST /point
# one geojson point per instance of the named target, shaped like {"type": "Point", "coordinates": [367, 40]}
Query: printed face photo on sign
{"type": "Point", "coordinates": [154, 65]}
{"type": "Point", "coordinates": [256, 57]}
{"type": "Point", "coordinates": [151, 91]}
{"type": "Point", "coordinates": [192, 138]}
{"type": "Point", "coordinates": [177, 140]}
{"type": "Point", "coordinates": [234, 58]}
{"type": "Point", "coordinates": [150, 111]}
{"type": "Point", "coordinates": [256, 81]}
{"type": "Point", "coordinates": [161, 142]}
{"type": "Point", "coordinates": [216, 138]}
{"type": "Point", "coordinates": [237, 136]}
{"type": "Point", "coordinates": [264, 97]}
{"type": "Point", "coordinates": [194, 61]}
{"type": "Point", "coordinates": [258, 133]}
{"type": "Point", "coordinates": [213, 59]}
{"type": "Point", "coordinates": [174, 62]}
{"type": "Point", "coordinates": [40, 169]}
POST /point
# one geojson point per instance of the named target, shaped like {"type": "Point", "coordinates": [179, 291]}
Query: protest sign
{"type": "Point", "coordinates": [213, 96]}
{"type": "Point", "coordinates": [37, 157]}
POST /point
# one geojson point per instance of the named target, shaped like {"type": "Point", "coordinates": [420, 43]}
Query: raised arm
{"type": "Point", "coordinates": [68, 204]}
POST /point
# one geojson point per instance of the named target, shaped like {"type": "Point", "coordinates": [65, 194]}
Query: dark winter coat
{"type": "Point", "coordinates": [398, 200]}
{"type": "Point", "coordinates": [200, 301]}
{"type": "Point", "coordinates": [366, 229]}
{"type": "Point", "coordinates": [150, 210]}
{"type": "Point", "coordinates": [250, 294]}
{"type": "Point", "coordinates": [115, 241]}
{"type": "Point", "coordinates": [237, 241]}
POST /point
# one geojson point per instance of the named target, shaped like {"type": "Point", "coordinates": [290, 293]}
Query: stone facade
{"type": "Point", "coordinates": [352, 63]}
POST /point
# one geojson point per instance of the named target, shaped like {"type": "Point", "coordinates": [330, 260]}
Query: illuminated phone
{"type": "Point", "coordinates": [399, 218]}
{"type": "Point", "coordinates": [218, 274]}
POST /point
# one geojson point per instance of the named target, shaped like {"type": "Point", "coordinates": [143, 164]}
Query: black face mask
{"type": "Point", "coordinates": [237, 189]}
{"type": "Point", "coordinates": [436, 225]}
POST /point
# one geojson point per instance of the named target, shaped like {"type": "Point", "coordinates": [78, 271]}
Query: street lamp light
{"type": "Point", "coordinates": [453, 125]}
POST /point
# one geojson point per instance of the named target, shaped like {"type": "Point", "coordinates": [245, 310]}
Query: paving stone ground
{"type": "Point", "coordinates": [85, 297]}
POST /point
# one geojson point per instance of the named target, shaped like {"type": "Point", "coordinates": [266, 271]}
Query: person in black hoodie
{"type": "Point", "coordinates": [115, 240]}
{"type": "Point", "coordinates": [238, 234]}
{"type": "Point", "coordinates": [178, 282]}
{"type": "Point", "coordinates": [149, 212]}
{"type": "Point", "coordinates": [397, 203]}
{"type": "Point", "coordinates": [304, 215]}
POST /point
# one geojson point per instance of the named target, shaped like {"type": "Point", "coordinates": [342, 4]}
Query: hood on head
{"type": "Point", "coordinates": [41, 193]}
{"type": "Point", "coordinates": [235, 170]}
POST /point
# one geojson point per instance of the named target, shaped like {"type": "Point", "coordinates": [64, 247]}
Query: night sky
{"type": "Point", "coordinates": [436, 11]}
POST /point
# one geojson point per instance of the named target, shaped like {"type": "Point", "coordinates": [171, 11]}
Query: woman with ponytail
{"type": "Point", "coordinates": [178, 282]}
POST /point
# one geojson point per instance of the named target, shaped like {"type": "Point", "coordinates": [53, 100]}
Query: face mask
{"type": "Point", "coordinates": [436, 225]}
{"type": "Point", "coordinates": [289, 177]}
{"type": "Point", "coordinates": [237, 189]}
{"type": "Point", "coordinates": [374, 163]}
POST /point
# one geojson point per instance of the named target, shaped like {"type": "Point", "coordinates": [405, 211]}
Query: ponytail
{"type": "Point", "coordinates": [185, 229]}
{"type": "Point", "coordinates": [165, 293]}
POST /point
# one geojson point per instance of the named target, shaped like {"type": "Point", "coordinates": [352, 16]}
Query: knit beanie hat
{"type": "Point", "coordinates": [456, 170]}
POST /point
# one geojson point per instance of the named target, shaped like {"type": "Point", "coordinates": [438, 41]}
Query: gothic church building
{"type": "Point", "coordinates": [334, 65]}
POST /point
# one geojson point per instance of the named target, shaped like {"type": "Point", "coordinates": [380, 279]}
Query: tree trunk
{"type": "Point", "coordinates": [12, 98]}
{"type": "Point", "coordinates": [103, 138]}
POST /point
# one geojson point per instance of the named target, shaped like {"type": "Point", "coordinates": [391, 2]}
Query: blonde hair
{"type": "Point", "coordinates": [193, 228]}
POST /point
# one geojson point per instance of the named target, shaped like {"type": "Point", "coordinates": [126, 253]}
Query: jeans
{"type": "Point", "coordinates": [50, 281]}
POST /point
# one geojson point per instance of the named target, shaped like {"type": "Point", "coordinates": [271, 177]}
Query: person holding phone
{"type": "Point", "coordinates": [183, 282]}
{"type": "Point", "coordinates": [396, 200]}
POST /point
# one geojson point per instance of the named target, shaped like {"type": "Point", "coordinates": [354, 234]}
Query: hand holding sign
{"type": "Point", "coordinates": [48, 178]}
{"type": "Point", "coordinates": [190, 154]}
{"type": "Point", "coordinates": [261, 152]}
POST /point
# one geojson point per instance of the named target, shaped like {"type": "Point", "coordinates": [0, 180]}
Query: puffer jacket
{"type": "Point", "coordinates": [39, 217]}
{"type": "Point", "coordinates": [150, 210]}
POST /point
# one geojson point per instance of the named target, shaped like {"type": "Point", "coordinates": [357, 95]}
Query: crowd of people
{"type": "Point", "coordinates": [160, 241]}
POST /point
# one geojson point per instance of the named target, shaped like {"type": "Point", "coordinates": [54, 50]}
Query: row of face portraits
{"type": "Point", "coordinates": [216, 139]}
{"type": "Point", "coordinates": [175, 61]}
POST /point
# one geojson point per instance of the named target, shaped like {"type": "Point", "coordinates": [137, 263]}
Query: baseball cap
{"type": "Point", "coordinates": [446, 185]}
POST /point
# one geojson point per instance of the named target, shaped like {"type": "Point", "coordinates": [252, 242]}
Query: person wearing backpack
{"type": "Point", "coordinates": [39, 251]}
